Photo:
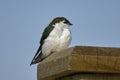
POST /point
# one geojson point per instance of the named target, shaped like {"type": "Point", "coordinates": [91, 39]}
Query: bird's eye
{"type": "Point", "coordinates": [65, 22]}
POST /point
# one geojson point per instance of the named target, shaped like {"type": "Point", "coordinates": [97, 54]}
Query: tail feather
{"type": "Point", "coordinates": [38, 57]}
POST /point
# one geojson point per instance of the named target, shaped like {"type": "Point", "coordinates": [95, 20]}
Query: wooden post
{"type": "Point", "coordinates": [81, 63]}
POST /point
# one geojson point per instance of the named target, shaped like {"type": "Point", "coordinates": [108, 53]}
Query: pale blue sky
{"type": "Point", "coordinates": [96, 23]}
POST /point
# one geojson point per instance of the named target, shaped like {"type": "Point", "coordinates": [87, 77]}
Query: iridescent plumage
{"type": "Point", "coordinates": [56, 37]}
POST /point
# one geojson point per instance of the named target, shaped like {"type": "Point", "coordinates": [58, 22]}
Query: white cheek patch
{"type": "Point", "coordinates": [61, 24]}
{"type": "Point", "coordinates": [63, 21]}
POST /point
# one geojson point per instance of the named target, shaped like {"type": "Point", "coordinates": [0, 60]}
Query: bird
{"type": "Point", "coordinates": [55, 37]}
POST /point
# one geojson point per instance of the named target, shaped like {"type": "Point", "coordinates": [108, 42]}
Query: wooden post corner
{"type": "Point", "coordinates": [80, 60]}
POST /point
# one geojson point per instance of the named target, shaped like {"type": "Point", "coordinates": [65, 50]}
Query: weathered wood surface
{"type": "Point", "coordinates": [79, 59]}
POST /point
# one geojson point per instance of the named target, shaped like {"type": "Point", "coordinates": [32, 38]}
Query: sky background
{"type": "Point", "coordinates": [96, 23]}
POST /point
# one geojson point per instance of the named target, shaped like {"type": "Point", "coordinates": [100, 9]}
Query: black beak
{"type": "Point", "coordinates": [71, 24]}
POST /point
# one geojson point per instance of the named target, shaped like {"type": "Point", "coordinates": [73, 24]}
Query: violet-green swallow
{"type": "Point", "coordinates": [55, 38]}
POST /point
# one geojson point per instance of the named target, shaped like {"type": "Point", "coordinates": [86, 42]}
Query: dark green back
{"type": "Point", "coordinates": [46, 34]}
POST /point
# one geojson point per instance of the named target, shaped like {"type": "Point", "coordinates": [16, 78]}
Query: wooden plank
{"type": "Point", "coordinates": [80, 59]}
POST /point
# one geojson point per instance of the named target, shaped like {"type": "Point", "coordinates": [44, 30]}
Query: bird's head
{"type": "Point", "coordinates": [60, 22]}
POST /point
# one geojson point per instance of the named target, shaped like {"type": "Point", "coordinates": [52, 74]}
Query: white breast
{"type": "Point", "coordinates": [58, 39]}
{"type": "Point", "coordinates": [65, 39]}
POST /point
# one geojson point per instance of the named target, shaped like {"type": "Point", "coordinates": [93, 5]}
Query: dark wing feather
{"type": "Point", "coordinates": [46, 34]}
{"type": "Point", "coordinates": [38, 56]}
